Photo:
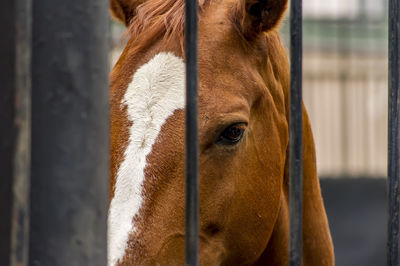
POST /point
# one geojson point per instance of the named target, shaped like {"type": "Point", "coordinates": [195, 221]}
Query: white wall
{"type": "Point", "coordinates": [343, 8]}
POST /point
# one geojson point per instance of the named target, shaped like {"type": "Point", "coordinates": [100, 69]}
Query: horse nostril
{"type": "Point", "coordinates": [212, 229]}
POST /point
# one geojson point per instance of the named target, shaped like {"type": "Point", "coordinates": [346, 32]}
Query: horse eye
{"type": "Point", "coordinates": [231, 135]}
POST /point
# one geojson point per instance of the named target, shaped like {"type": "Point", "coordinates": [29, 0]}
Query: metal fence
{"type": "Point", "coordinates": [54, 114]}
{"type": "Point", "coordinates": [191, 145]}
{"type": "Point", "coordinates": [64, 134]}
{"type": "Point", "coordinates": [345, 84]}
{"type": "Point", "coordinates": [394, 133]}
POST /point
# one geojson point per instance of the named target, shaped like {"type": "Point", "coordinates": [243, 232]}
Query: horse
{"type": "Point", "coordinates": [243, 139]}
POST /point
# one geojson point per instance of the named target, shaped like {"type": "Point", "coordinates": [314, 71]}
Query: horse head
{"type": "Point", "coordinates": [243, 139]}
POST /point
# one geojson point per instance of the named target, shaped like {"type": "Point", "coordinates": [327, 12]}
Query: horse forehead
{"type": "Point", "coordinates": [224, 90]}
{"type": "Point", "coordinates": [155, 92]}
{"type": "Point", "coordinates": [153, 95]}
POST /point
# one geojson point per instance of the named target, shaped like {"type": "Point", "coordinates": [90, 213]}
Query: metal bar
{"type": "Point", "coordinates": [70, 136]}
{"type": "Point", "coordinates": [192, 194]}
{"type": "Point", "coordinates": [394, 134]}
{"type": "Point", "coordinates": [296, 135]}
{"type": "Point", "coordinates": [15, 17]}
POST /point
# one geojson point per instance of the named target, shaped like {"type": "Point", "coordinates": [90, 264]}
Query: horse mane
{"type": "Point", "coordinates": [159, 19]}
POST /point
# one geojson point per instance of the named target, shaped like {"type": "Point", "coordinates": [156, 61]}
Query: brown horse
{"type": "Point", "coordinates": [243, 139]}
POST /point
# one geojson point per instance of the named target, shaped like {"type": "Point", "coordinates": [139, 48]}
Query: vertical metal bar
{"type": "Point", "coordinates": [15, 18]}
{"type": "Point", "coordinates": [21, 185]}
{"type": "Point", "coordinates": [394, 134]}
{"type": "Point", "coordinates": [296, 134]}
{"type": "Point", "coordinates": [70, 143]}
{"type": "Point", "coordinates": [192, 201]}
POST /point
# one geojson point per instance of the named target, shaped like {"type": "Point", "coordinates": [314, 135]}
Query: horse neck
{"type": "Point", "coordinates": [315, 224]}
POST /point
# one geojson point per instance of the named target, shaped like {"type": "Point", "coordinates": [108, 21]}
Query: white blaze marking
{"type": "Point", "coordinates": [156, 91]}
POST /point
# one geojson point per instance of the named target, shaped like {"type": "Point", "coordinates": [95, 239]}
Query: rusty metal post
{"type": "Point", "coordinates": [15, 79]}
{"type": "Point", "coordinates": [69, 177]}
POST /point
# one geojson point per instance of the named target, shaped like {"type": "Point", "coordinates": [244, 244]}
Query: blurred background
{"type": "Point", "coordinates": [345, 91]}
{"type": "Point", "coordinates": [345, 84]}
{"type": "Point", "coordinates": [345, 73]}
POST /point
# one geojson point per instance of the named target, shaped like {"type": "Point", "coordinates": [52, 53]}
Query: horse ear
{"type": "Point", "coordinates": [256, 16]}
{"type": "Point", "coordinates": [124, 10]}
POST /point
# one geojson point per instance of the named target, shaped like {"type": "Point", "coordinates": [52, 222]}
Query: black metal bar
{"type": "Point", "coordinates": [192, 194]}
{"type": "Point", "coordinates": [296, 134]}
{"type": "Point", "coordinates": [70, 142]}
{"type": "Point", "coordinates": [394, 134]}
{"type": "Point", "coordinates": [15, 17]}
